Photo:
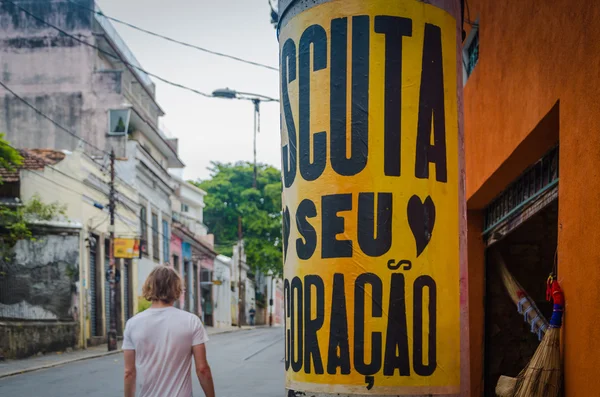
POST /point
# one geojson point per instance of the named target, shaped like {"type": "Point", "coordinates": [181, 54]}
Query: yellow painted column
{"type": "Point", "coordinates": [373, 198]}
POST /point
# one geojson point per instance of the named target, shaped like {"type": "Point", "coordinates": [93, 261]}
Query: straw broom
{"type": "Point", "coordinates": [542, 376]}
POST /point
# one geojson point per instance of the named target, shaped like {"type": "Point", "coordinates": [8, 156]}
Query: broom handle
{"type": "Point", "coordinates": [525, 304]}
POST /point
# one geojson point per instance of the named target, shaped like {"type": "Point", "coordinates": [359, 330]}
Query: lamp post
{"type": "Point", "coordinates": [271, 279]}
{"type": "Point", "coordinates": [256, 99]}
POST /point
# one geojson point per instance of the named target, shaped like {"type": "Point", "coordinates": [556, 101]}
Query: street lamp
{"type": "Point", "coordinates": [256, 99]}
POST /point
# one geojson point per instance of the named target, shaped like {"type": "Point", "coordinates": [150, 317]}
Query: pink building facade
{"type": "Point", "coordinates": [176, 258]}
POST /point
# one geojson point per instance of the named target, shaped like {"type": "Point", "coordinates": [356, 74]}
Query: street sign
{"type": "Point", "coordinates": [127, 248]}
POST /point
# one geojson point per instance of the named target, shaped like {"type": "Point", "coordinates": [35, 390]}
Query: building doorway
{"type": "Point", "coordinates": [522, 226]}
{"type": "Point", "coordinates": [195, 288]}
{"type": "Point", "coordinates": [95, 288]}
{"type": "Point", "coordinates": [207, 301]}
{"type": "Point", "coordinates": [186, 280]}
{"type": "Point", "coordinates": [127, 288]}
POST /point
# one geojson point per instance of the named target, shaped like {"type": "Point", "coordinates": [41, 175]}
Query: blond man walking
{"type": "Point", "coordinates": [159, 343]}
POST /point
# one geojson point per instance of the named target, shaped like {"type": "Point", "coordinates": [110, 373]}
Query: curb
{"type": "Point", "coordinates": [99, 355]}
{"type": "Point", "coordinates": [231, 331]}
{"type": "Point", "coordinates": [58, 363]}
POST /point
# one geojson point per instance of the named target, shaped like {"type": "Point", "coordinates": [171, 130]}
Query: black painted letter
{"type": "Point", "coordinates": [394, 29]}
{"type": "Point", "coordinates": [288, 74]}
{"type": "Point", "coordinates": [316, 36]}
{"type": "Point", "coordinates": [332, 225]}
{"type": "Point", "coordinates": [359, 324]}
{"type": "Point", "coordinates": [370, 243]}
{"type": "Point", "coordinates": [288, 333]}
{"type": "Point", "coordinates": [359, 143]}
{"type": "Point", "coordinates": [420, 368]}
{"type": "Point", "coordinates": [305, 249]}
{"type": "Point", "coordinates": [431, 104]}
{"type": "Point", "coordinates": [338, 332]}
{"type": "Point", "coordinates": [311, 326]}
{"type": "Point", "coordinates": [296, 314]}
{"type": "Point", "coordinates": [396, 343]}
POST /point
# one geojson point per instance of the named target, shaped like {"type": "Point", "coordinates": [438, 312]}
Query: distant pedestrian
{"type": "Point", "coordinates": [160, 341]}
{"type": "Point", "coordinates": [252, 313]}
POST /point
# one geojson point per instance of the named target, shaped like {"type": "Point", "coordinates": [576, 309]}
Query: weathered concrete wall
{"type": "Point", "coordinates": [39, 279]}
{"type": "Point", "coordinates": [61, 77]}
{"type": "Point", "coordinates": [39, 304]}
{"type": "Point", "coordinates": [24, 339]}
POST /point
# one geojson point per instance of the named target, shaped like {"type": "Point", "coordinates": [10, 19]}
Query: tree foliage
{"type": "Point", "coordinates": [15, 220]}
{"type": "Point", "coordinates": [230, 195]}
{"type": "Point", "coordinates": [10, 158]}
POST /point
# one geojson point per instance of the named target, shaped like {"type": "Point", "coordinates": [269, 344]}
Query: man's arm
{"type": "Point", "coordinates": [129, 373]}
{"type": "Point", "coordinates": [203, 370]}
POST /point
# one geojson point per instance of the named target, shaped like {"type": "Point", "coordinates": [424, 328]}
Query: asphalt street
{"type": "Point", "coordinates": [244, 364]}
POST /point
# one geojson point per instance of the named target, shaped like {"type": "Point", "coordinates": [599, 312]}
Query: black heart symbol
{"type": "Point", "coordinates": [421, 219]}
{"type": "Point", "coordinates": [286, 231]}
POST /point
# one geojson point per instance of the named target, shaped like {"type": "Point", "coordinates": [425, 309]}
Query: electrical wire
{"type": "Point", "coordinates": [48, 118]}
{"type": "Point", "coordinates": [262, 65]}
{"type": "Point", "coordinates": [107, 53]}
{"type": "Point", "coordinates": [62, 128]}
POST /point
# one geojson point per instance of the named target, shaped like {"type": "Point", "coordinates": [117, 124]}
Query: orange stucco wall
{"type": "Point", "coordinates": [538, 58]}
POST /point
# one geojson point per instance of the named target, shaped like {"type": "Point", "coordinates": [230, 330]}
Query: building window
{"type": "Point", "coordinates": [471, 51]}
{"type": "Point", "coordinates": [176, 263]}
{"type": "Point", "coordinates": [144, 225]}
{"type": "Point", "coordinates": [155, 246]}
{"type": "Point", "coordinates": [185, 208]}
{"type": "Point", "coordinates": [166, 241]}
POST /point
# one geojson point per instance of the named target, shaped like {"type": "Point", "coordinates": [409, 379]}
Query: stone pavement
{"type": "Point", "coordinates": [49, 360]}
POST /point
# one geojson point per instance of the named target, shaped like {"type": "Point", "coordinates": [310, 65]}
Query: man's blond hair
{"type": "Point", "coordinates": [163, 284]}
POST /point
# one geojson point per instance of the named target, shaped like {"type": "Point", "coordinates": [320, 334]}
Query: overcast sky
{"type": "Point", "coordinates": [208, 129]}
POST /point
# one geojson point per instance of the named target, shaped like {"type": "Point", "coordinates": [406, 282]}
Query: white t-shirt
{"type": "Point", "coordinates": [162, 340]}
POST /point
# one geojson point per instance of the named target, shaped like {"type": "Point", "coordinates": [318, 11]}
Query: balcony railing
{"type": "Point", "coordinates": [536, 180]}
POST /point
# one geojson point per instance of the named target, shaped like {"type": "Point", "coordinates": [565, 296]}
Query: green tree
{"type": "Point", "coordinates": [10, 158]}
{"type": "Point", "coordinates": [230, 195]}
{"type": "Point", "coordinates": [15, 220]}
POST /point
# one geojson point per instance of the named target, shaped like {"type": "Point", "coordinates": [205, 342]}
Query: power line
{"type": "Point", "coordinates": [61, 127]}
{"type": "Point", "coordinates": [195, 91]}
{"type": "Point", "coordinates": [262, 65]}
{"type": "Point", "coordinates": [48, 118]}
{"type": "Point", "coordinates": [54, 182]}
{"type": "Point", "coordinates": [127, 207]}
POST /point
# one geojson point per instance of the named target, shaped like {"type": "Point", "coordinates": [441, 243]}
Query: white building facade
{"type": "Point", "coordinates": [222, 291]}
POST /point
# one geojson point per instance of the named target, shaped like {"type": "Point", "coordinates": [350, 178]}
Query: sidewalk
{"type": "Point", "coordinates": [35, 363]}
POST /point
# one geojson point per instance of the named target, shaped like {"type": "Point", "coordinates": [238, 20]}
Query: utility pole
{"type": "Point", "coordinates": [372, 151]}
{"type": "Point", "coordinates": [256, 103]}
{"type": "Point", "coordinates": [112, 332]}
{"type": "Point", "coordinates": [271, 302]}
{"type": "Point", "coordinates": [240, 303]}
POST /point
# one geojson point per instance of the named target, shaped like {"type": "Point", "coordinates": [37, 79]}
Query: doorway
{"type": "Point", "coordinates": [521, 226]}
{"type": "Point", "coordinates": [95, 295]}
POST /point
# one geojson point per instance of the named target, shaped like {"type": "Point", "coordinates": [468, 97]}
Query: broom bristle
{"type": "Point", "coordinates": [542, 376]}
{"type": "Point", "coordinates": [505, 386]}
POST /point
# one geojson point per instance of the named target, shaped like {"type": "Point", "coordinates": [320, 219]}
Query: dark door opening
{"type": "Point", "coordinates": [95, 291]}
{"type": "Point", "coordinates": [186, 280]}
{"type": "Point", "coordinates": [529, 253]}
{"type": "Point", "coordinates": [127, 288]}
